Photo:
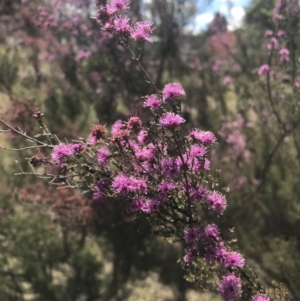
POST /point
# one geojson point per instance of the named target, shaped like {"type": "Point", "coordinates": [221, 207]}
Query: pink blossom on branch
{"type": "Point", "coordinates": [118, 5]}
{"type": "Point", "coordinates": [122, 26]}
{"type": "Point", "coordinates": [233, 259]}
{"type": "Point", "coordinates": [134, 123]}
{"type": "Point", "coordinates": [170, 168]}
{"type": "Point", "coordinates": [62, 151]}
{"type": "Point", "coordinates": [172, 91]}
{"type": "Point", "coordinates": [102, 156]}
{"type": "Point", "coordinates": [230, 287]}
{"type": "Point", "coordinates": [207, 138]}
{"type": "Point", "coordinates": [264, 69]}
{"type": "Point", "coordinates": [273, 44]}
{"type": "Point", "coordinates": [192, 234]}
{"type": "Point", "coordinates": [142, 31]}
{"type": "Point", "coordinates": [268, 33]}
{"type": "Point", "coordinates": [284, 55]}
{"type": "Point", "coordinates": [211, 232]}
{"type": "Point", "coordinates": [216, 202]}
{"type": "Point", "coordinates": [152, 102]}
{"type": "Point", "coordinates": [227, 80]}
{"type": "Point", "coordinates": [171, 121]}
{"type": "Point", "coordinates": [117, 127]}
{"type": "Point", "coordinates": [165, 187]}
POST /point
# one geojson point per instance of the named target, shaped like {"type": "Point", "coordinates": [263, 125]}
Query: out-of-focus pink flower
{"type": "Point", "coordinates": [269, 33]}
{"type": "Point", "coordinates": [273, 44]}
{"type": "Point", "coordinates": [264, 69]}
{"type": "Point", "coordinates": [284, 55]}
{"type": "Point", "coordinates": [227, 80]}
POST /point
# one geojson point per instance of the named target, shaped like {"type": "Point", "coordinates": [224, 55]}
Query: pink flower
{"type": "Point", "coordinates": [122, 184]}
{"type": "Point", "coordinates": [171, 121]}
{"type": "Point", "coordinates": [138, 185]}
{"type": "Point", "coordinates": [117, 127]}
{"type": "Point", "coordinates": [142, 154]}
{"type": "Point", "coordinates": [122, 26]}
{"type": "Point", "coordinates": [197, 151]}
{"type": "Point", "coordinates": [118, 5]}
{"type": "Point", "coordinates": [170, 167]}
{"type": "Point", "coordinates": [134, 122]}
{"type": "Point", "coordinates": [192, 234]}
{"type": "Point", "coordinates": [152, 102]}
{"type": "Point", "coordinates": [216, 202]}
{"type": "Point", "coordinates": [165, 187]}
{"type": "Point", "coordinates": [147, 153]}
{"type": "Point", "coordinates": [227, 80]}
{"type": "Point", "coordinates": [206, 138]}
{"type": "Point", "coordinates": [142, 31]}
{"type": "Point", "coordinates": [273, 44]}
{"type": "Point", "coordinates": [92, 140]}
{"type": "Point", "coordinates": [233, 259]}
{"type": "Point", "coordinates": [211, 232]}
{"type": "Point", "coordinates": [284, 55]}
{"type": "Point", "coordinates": [230, 287]}
{"type": "Point", "coordinates": [269, 33]}
{"type": "Point", "coordinates": [264, 69]}
{"type": "Point", "coordinates": [280, 33]}
{"type": "Point", "coordinates": [172, 91]}
{"type": "Point", "coordinates": [62, 151]}
{"type": "Point", "coordinates": [102, 155]}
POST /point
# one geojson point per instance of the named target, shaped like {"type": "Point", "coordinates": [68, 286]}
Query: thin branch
{"type": "Point", "coordinates": [23, 134]}
{"type": "Point", "coordinates": [137, 59]}
{"type": "Point", "coordinates": [23, 148]}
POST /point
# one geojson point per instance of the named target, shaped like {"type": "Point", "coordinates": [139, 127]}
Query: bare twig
{"type": "Point", "coordinates": [24, 135]}
{"type": "Point", "coordinates": [23, 148]}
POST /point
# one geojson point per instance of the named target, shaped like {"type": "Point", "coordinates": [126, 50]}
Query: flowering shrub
{"type": "Point", "coordinates": [158, 169]}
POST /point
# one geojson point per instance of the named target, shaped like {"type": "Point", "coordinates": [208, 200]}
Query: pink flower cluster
{"type": "Point", "coordinates": [110, 18]}
{"type": "Point", "coordinates": [62, 151]}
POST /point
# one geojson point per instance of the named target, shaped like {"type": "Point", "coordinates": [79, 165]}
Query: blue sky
{"type": "Point", "coordinates": [234, 10]}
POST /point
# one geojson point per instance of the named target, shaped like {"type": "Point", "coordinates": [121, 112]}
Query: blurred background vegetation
{"type": "Point", "coordinates": [56, 244]}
